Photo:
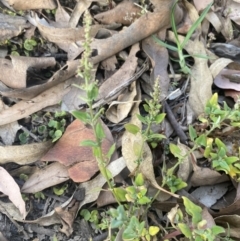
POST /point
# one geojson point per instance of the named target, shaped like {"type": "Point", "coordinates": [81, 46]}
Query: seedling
{"type": "Point", "coordinates": [180, 45]}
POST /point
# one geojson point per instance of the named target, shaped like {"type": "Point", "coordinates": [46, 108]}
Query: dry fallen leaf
{"type": "Point", "coordinates": [27, 5]}
{"type": "Point", "coordinates": [24, 154]}
{"type": "Point", "coordinates": [79, 160]}
{"type": "Point", "coordinates": [9, 187]}
{"type": "Point", "coordinates": [49, 176]}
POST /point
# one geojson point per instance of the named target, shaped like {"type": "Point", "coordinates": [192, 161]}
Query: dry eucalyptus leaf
{"type": "Point", "coordinates": [79, 160]}
{"type": "Point", "coordinates": [49, 176]}
{"type": "Point", "coordinates": [25, 108]}
{"type": "Point", "coordinates": [24, 154]}
{"type": "Point", "coordinates": [119, 110]}
{"type": "Point", "coordinates": [159, 59]}
{"type": "Point", "coordinates": [9, 187]}
{"type": "Point", "coordinates": [125, 13]}
{"type": "Point", "coordinates": [27, 5]}
{"type": "Point", "coordinates": [219, 65]}
{"type": "Point", "coordinates": [11, 26]}
{"type": "Point", "coordinates": [14, 71]}
{"type": "Point", "coordinates": [206, 176]}
{"type": "Point", "coordinates": [228, 79]}
{"type": "Point", "coordinates": [122, 75]}
{"type": "Point", "coordinates": [200, 5]}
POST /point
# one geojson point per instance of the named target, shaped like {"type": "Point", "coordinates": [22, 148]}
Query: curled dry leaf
{"type": "Point", "coordinates": [219, 65]}
{"type": "Point", "coordinates": [119, 110]}
{"type": "Point", "coordinates": [79, 160]}
{"type": "Point", "coordinates": [24, 154]}
{"type": "Point", "coordinates": [228, 79]}
{"type": "Point", "coordinates": [10, 188]}
{"type": "Point", "coordinates": [14, 71]}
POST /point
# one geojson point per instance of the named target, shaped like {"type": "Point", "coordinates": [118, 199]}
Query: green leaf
{"type": "Point", "coordinates": [214, 100]}
{"type": "Point", "coordinates": [57, 135]}
{"type": "Point", "coordinates": [146, 107]}
{"type": "Point", "coordinates": [156, 136]}
{"type": "Point", "coordinates": [99, 131]}
{"type": "Point", "coordinates": [185, 230]}
{"type": "Point", "coordinates": [81, 115]}
{"type": "Point", "coordinates": [142, 119]}
{"type": "Point", "coordinates": [139, 179]}
{"type": "Point", "coordinates": [217, 230]}
{"type": "Point", "coordinates": [111, 150]}
{"type": "Point", "coordinates": [153, 230]}
{"type": "Point", "coordinates": [132, 128]}
{"type": "Point", "coordinates": [220, 144]}
{"type": "Point", "coordinates": [193, 210]}
{"type": "Point", "coordinates": [89, 143]}
{"type": "Point", "coordinates": [175, 150]}
{"type": "Point", "coordinates": [93, 92]}
{"type": "Point", "coordinates": [164, 44]}
{"type": "Point", "coordinates": [192, 133]}
{"type": "Point", "coordinates": [159, 118]}
{"type": "Point", "coordinates": [86, 214]}
{"type": "Point", "coordinates": [120, 194]}
{"type": "Point", "coordinates": [144, 200]}
{"type": "Point", "coordinates": [201, 140]}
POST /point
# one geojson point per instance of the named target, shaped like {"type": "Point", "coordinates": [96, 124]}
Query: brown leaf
{"type": "Point", "coordinates": [24, 154]}
{"type": "Point", "coordinates": [125, 13]}
{"type": "Point", "coordinates": [80, 160]}
{"type": "Point", "coordinates": [14, 71]}
{"type": "Point", "coordinates": [49, 176]}
{"type": "Point", "coordinates": [231, 223]}
{"type": "Point", "coordinates": [25, 108]}
{"type": "Point", "coordinates": [119, 110]}
{"type": "Point", "coordinates": [9, 187]}
{"type": "Point", "coordinates": [27, 5]}
{"type": "Point", "coordinates": [206, 176]}
{"type": "Point", "coordinates": [159, 59]}
{"type": "Point", "coordinates": [11, 26]}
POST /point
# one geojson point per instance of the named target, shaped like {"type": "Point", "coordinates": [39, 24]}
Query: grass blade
{"type": "Point", "coordinates": [164, 44]}
{"type": "Point", "coordinates": [173, 24]}
{"type": "Point", "coordinates": [195, 25]}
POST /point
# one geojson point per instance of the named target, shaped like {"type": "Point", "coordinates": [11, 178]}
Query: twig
{"type": "Point", "coordinates": [174, 123]}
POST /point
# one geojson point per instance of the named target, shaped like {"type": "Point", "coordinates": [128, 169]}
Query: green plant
{"type": "Point", "coordinates": [23, 137]}
{"type": "Point", "coordinates": [153, 108]}
{"type": "Point", "coordinates": [193, 226]}
{"type": "Point", "coordinates": [29, 44]}
{"type": "Point", "coordinates": [180, 45]}
{"type": "Point", "coordinates": [60, 190]}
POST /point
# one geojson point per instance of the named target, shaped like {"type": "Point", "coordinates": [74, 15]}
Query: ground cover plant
{"type": "Point", "coordinates": [119, 120]}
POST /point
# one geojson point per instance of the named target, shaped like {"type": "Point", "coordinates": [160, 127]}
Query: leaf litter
{"type": "Point", "coordinates": [119, 29]}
